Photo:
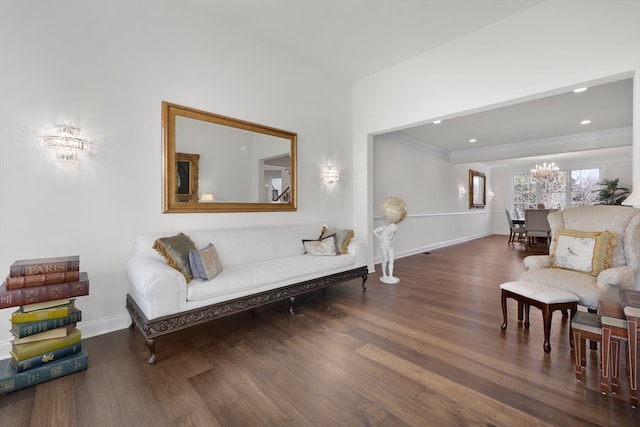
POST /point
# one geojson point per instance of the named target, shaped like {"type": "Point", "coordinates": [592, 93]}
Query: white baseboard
{"type": "Point", "coordinates": [427, 248]}
{"type": "Point", "coordinates": [88, 329]}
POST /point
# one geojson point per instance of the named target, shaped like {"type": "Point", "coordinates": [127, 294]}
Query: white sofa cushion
{"type": "Point", "coordinates": [244, 279]}
{"type": "Point", "coordinates": [539, 292]}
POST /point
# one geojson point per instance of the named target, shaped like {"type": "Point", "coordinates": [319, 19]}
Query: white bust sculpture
{"type": "Point", "coordinates": [393, 210]}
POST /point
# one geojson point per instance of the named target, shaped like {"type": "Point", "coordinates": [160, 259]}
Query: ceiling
{"type": "Point", "coordinates": [505, 131]}
{"type": "Point", "coordinates": [355, 38]}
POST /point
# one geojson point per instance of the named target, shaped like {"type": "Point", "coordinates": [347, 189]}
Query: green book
{"type": "Point", "coordinates": [10, 380]}
{"type": "Point", "coordinates": [21, 330]}
{"type": "Point", "coordinates": [26, 351]}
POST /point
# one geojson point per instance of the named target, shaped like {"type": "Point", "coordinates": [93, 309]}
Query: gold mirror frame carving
{"type": "Point", "coordinates": [174, 203]}
{"type": "Point", "coordinates": [187, 172]}
{"type": "Point", "coordinates": [477, 190]}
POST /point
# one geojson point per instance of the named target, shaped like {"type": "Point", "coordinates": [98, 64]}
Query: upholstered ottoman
{"type": "Point", "coordinates": [546, 298]}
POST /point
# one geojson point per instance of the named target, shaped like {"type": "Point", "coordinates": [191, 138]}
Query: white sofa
{"type": "Point", "coordinates": [259, 265]}
{"type": "Point", "coordinates": [624, 271]}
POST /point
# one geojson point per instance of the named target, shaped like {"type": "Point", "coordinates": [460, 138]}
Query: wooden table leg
{"type": "Point", "coordinates": [520, 310]}
{"type": "Point", "coordinates": [572, 311]}
{"type": "Point", "coordinates": [632, 342]}
{"type": "Point", "coordinates": [503, 300]}
{"type": "Point", "coordinates": [605, 348]}
{"type": "Point", "coordinates": [615, 354]}
{"type": "Point", "coordinates": [578, 352]}
{"type": "Point", "coordinates": [547, 316]}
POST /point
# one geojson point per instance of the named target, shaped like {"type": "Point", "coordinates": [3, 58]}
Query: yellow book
{"type": "Point", "coordinates": [25, 351]}
{"type": "Point", "coordinates": [60, 332]}
{"type": "Point", "coordinates": [19, 316]}
{"type": "Point", "coordinates": [45, 304]}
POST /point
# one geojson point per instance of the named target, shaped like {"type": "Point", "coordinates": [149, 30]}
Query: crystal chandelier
{"type": "Point", "coordinates": [66, 143]}
{"type": "Point", "coordinates": [545, 172]}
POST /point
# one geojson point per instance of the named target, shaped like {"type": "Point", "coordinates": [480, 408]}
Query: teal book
{"type": "Point", "coordinates": [52, 356]}
{"type": "Point", "coordinates": [11, 380]}
{"type": "Point", "coordinates": [21, 330]}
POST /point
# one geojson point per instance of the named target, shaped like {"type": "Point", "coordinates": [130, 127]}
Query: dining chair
{"type": "Point", "coordinates": [536, 224]}
{"type": "Point", "coordinates": [514, 229]}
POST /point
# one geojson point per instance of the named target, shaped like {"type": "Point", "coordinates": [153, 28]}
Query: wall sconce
{"type": "Point", "coordinates": [490, 194]}
{"type": "Point", "coordinates": [67, 145]}
{"type": "Point", "coordinates": [330, 174]}
{"type": "Point", "coordinates": [207, 197]}
{"type": "Point", "coordinates": [461, 190]}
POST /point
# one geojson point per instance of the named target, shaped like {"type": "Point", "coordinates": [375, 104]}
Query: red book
{"type": "Point", "coordinates": [25, 296]}
{"type": "Point", "coordinates": [30, 267]}
{"type": "Point", "coordinates": [19, 282]}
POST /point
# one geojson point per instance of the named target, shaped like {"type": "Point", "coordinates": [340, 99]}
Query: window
{"type": "Point", "coordinates": [583, 185]}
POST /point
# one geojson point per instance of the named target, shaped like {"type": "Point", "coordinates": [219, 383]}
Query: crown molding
{"type": "Point", "coordinates": [609, 138]}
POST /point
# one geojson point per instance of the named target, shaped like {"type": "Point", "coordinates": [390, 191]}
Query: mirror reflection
{"type": "Point", "coordinates": [239, 166]}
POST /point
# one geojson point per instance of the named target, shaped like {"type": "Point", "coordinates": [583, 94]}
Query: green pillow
{"type": "Point", "coordinates": [175, 251]}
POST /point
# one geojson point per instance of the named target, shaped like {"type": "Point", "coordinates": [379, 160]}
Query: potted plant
{"type": "Point", "coordinates": [610, 194]}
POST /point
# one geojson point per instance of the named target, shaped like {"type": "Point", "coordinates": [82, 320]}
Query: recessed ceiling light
{"type": "Point", "coordinates": [585, 122]}
{"type": "Point", "coordinates": [472, 140]}
{"type": "Point", "coordinates": [437, 122]}
{"type": "Point", "coordinates": [580, 89]}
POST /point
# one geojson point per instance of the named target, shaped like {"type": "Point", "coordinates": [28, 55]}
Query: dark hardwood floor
{"type": "Point", "coordinates": [427, 351]}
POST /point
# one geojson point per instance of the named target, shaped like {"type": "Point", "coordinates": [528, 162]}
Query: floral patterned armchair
{"type": "Point", "coordinates": [595, 251]}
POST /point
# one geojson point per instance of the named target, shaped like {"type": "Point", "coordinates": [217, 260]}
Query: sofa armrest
{"type": "Point", "coordinates": [621, 276]}
{"type": "Point", "coordinates": [157, 288]}
{"type": "Point", "coordinates": [537, 261]}
{"type": "Point", "coordinates": [357, 248]}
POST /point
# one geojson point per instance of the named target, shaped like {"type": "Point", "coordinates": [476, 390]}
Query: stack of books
{"type": "Point", "coordinates": [46, 343]}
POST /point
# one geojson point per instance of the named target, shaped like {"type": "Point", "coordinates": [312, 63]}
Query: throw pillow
{"type": "Point", "coordinates": [205, 263]}
{"type": "Point", "coordinates": [343, 237]}
{"type": "Point", "coordinates": [175, 251]}
{"type": "Point", "coordinates": [321, 247]}
{"type": "Point", "coordinates": [588, 252]}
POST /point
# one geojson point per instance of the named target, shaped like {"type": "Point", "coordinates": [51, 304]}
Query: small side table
{"type": "Point", "coordinates": [616, 324]}
{"type": "Point", "coordinates": [632, 343]}
{"type": "Point", "coordinates": [588, 326]}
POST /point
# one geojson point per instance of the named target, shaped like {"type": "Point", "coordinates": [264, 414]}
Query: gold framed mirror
{"type": "Point", "coordinates": [233, 165]}
{"type": "Point", "coordinates": [477, 189]}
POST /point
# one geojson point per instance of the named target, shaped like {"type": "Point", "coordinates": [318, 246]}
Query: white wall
{"type": "Point", "coordinates": [106, 66]}
{"type": "Point", "coordinates": [437, 215]}
{"type": "Point", "coordinates": [548, 47]}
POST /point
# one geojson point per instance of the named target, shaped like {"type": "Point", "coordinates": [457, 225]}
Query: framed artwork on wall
{"type": "Point", "coordinates": [187, 177]}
